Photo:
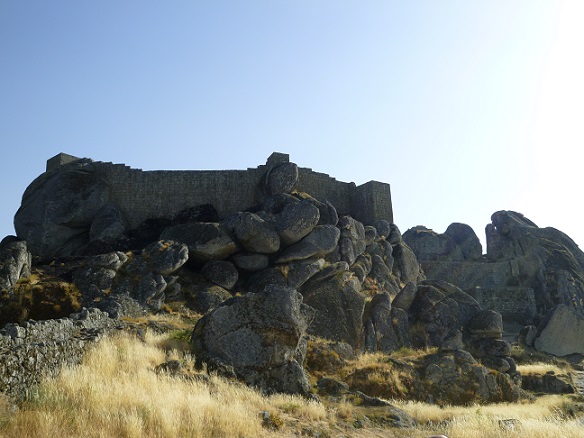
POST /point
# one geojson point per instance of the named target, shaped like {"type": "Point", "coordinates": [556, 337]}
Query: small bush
{"type": "Point", "coordinates": [39, 300]}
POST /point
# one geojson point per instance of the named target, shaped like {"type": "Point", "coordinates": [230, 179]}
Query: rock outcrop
{"type": "Point", "coordinates": [15, 262]}
{"type": "Point", "coordinates": [259, 338]}
{"type": "Point", "coordinates": [61, 212]}
{"type": "Point", "coordinates": [123, 286]}
{"type": "Point", "coordinates": [526, 272]}
{"type": "Point", "coordinates": [563, 334]}
{"type": "Point", "coordinates": [459, 242]}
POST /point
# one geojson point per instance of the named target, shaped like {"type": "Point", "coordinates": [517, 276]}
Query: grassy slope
{"type": "Point", "coordinates": [116, 392]}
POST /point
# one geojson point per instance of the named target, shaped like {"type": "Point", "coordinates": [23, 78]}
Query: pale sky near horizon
{"type": "Point", "coordinates": [465, 108]}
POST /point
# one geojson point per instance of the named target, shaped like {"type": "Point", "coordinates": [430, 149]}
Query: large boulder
{"type": "Point", "coordinates": [335, 294]}
{"type": "Point", "coordinates": [59, 208]}
{"type": "Point", "coordinates": [251, 262]}
{"type": "Point", "coordinates": [457, 378]}
{"type": "Point", "coordinates": [404, 299]}
{"type": "Point", "coordinates": [255, 234]}
{"type": "Point", "coordinates": [282, 178]}
{"type": "Point", "coordinates": [108, 226]}
{"type": "Point", "coordinates": [258, 338]}
{"type": "Point", "coordinates": [165, 256]}
{"type": "Point", "coordinates": [465, 240]}
{"type": "Point", "coordinates": [406, 266]}
{"type": "Point", "coordinates": [563, 334]}
{"type": "Point", "coordinates": [485, 324]}
{"type": "Point", "coordinates": [296, 220]}
{"type": "Point", "coordinates": [221, 272]}
{"type": "Point", "coordinates": [95, 280]}
{"type": "Point", "coordinates": [439, 310]}
{"type": "Point", "coordinates": [380, 333]}
{"type": "Point", "coordinates": [526, 272]}
{"type": "Point", "coordinates": [15, 262]}
{"type": "Point", "coordinates": [321, 241]}
{"type": "Point", "coordinates": [352, 242]}
{"type": "Point", "coordinates": [128, 285]}
{"type": "Point", "coordinates": [205, 240]}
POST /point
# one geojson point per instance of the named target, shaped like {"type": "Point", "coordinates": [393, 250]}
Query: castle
{"type": "Point", "coordinates": [142, 195]}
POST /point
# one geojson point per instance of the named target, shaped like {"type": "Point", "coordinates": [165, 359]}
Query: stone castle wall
{"type": "Point", "coordinates": [141, 195]}
{"type": "Point", "coordinates": [488, 283]}
{"type": "Point", "coordinates": [33, 350]}
{"type": "Point", "coordinates": [514, 303]}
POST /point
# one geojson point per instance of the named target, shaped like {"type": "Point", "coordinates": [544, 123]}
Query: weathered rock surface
{"type": "Point", "coordinates": [405, 297]}
{"type": "Point", "coordinates": [296, 221]}
{"type": "Point", "coordinates": [439, 310]}
{"type": "Point", "coordinates": [220, 272]}
{"type": "Point", "coordinates": [300, 272]}
{"type": "Point", "coordinates": [211, 297]}
{"type": "Point", "coordinates": [380, 333]}
{"type": "Point", "coordinates": [563, 334]}
{"type": "Point", "coordinates": [335, 294]}
{"type": "Point", "coordinates": [551, 262]}
{"type": "Point", "coordinates": [549, 383]}
{"type": "Point", "coordinates": [257, 337]}
{"type": "Point", "coordinates": [456, 378]}
{"type": "Point", "coordinates": [165, 257]}
{"type": "Point", "coordinates": [459, 242]}
{"type": "Point", "coordinates": [352, 243]}
{"type": "Point", "coordinates": [527, 271]}
{"type": "Point", "coordinates": [282, 178]}
{"type": "Point", "coordinates": [486, 324]}
{"type": "Point", "coordinates": [108, 225]}
{"type": "Point", "coordinates": [124, 286]}
{"type": "Point", "coordinates": [406, 266]}
{"type": "Point", "coordinates": [59, 208]}
{"type": "Point", "coordinates": [15, 262]}
{"type": "Point", "coordinates": [205, 240]}
{"type": "Point", "coordinates": [321, 241]}
{"type": "Point", "coordinates": [255, 234]}
{"type": "Point", "coordinates": [251, 262]}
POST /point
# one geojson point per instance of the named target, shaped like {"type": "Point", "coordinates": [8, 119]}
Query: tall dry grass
{"type": "Point", "coordinates": [546, 417]}
{"type": "Point", "coordinates": [539, 368]}
{"type": "Point", "coordinates": [116, 393]}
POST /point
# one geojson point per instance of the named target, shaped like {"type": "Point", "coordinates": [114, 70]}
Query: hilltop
{"type": "Point", "coordinates": [290, 282]}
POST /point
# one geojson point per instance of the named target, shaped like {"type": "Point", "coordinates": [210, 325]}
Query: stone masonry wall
{"type": "Point", "coordinates": [514, 303]}
{"type": "Point", "coordinates": [141, 195]}
{"type": "Point", "coordinates": [489, 284]}
{"type": "Point", "coordinates": [33, 350]}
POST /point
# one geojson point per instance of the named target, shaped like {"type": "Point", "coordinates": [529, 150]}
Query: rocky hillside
{"type": "Point", "coordinates": [288, 281]}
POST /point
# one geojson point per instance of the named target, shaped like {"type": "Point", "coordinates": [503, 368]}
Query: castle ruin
{"type": "Point", "coordinates": [142, 195]}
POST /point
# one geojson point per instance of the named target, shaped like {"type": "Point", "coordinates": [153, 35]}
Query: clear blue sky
{"type": "Point", "coordinates": [464, 107]}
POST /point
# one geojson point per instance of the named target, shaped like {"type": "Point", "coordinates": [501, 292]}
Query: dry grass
{"type": "Point", "coordinates": [539, 368]}
{"type": "Point", "coordinates": [548, 416]}
{"type": "Point", "coordinates": [116, 393]}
